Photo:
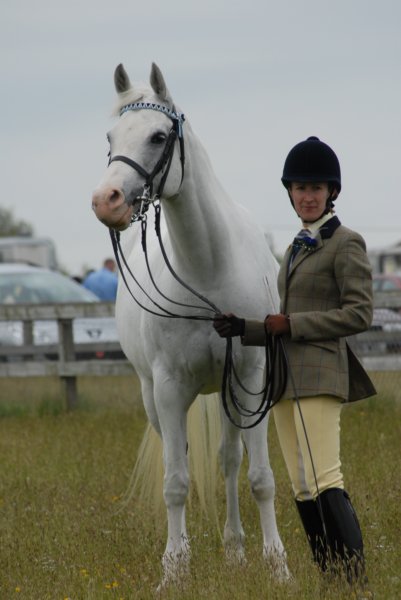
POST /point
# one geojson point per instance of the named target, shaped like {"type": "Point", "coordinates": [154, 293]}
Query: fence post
{"type": "Point", "coordinates": [67, 353]}
{"type": "Point", "coordinates": [28, 334]}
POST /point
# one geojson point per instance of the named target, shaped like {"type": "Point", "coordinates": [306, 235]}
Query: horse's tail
{"type": "Point", "coordinates": [203, 434]}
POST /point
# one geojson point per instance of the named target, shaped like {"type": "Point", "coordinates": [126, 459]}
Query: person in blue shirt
{"type": "Point", "coordinates": [103, 282]}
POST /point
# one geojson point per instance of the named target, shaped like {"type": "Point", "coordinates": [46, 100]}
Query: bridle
{"type": "Point", "coordinates": [164, 162]}
{"type": "Point", "coordinates": [275, 359]}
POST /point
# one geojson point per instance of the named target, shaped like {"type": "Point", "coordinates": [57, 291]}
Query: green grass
{"type": "Point", "coordinates": [62, 534]}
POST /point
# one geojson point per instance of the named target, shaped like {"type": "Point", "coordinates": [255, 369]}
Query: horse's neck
{"type": "Point", "coordinates": [198, 219]}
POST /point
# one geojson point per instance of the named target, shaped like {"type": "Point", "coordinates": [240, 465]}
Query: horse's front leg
{"type": "Point", "coordinates": [172, 405]}
{"type": "Point", "coordinates": [230, 454]}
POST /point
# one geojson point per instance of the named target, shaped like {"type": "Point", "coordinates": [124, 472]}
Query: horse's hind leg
{"type": "Point", "coordinates": [263, 489]}
{"type": "Point", "coordinates": [230, 453]}
{"type": "Point", "coordinates": [149, 403]}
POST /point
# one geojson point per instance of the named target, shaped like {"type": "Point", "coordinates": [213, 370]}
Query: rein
{"type": "Point", "coordinates": [276, 373]}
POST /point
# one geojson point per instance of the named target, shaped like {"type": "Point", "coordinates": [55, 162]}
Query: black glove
{"type": "Point", "coordinates": [229, 325]}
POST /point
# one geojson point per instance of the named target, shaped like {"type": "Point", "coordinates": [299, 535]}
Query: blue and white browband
{"type": "Point", "coordinates": [178, 117]}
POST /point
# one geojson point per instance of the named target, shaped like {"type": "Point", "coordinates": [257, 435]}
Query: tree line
{"type": "Point", "coordinates": [10, 225]}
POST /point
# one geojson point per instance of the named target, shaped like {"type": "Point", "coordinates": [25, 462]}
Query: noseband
{"type": "Point", "coordinates": [165, 159]}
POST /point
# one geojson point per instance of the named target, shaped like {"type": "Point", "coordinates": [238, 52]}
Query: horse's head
{"type": "Point", "coordinates": [142, 157]}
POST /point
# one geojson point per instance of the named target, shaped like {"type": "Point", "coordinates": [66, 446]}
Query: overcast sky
{"type": "Point", "coordinates": [254, 78]}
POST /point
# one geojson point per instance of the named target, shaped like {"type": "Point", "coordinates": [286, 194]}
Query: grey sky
{"type": "Point", "coordinates": [253, 79]}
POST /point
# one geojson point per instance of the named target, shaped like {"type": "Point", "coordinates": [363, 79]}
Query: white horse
{"type": "Point", "coordinates": [214, 246]}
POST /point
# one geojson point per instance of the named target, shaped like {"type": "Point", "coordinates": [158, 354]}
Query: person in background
{"type": "Point", "coordinates": [103, 282]}
{"type": "Point", "coordinates": [325, 289]}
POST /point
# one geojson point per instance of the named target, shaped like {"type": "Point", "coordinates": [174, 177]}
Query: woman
{"type": "Point", "coordinates": [326, 294]}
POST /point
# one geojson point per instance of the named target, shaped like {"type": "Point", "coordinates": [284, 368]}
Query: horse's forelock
{"type": "Point", "coordinates": [132, 95]}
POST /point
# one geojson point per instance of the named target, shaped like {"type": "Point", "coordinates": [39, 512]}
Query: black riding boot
{"type": "Point", "coordinates": [343, 534]}
{"type": "Point", "coordinates": [310, 517]}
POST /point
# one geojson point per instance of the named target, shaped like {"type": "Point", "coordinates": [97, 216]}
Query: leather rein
{"type": "Point", "coordinates": [276, 372]}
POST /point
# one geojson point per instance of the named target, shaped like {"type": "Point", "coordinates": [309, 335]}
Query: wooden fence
{"type": "Point", "coordinates": [379, 349]}
{"type": "Point", "coordinates": [29, 360]}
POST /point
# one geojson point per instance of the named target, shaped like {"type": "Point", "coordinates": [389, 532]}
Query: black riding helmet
{"type": "Point", "coordinates": [313, 161]}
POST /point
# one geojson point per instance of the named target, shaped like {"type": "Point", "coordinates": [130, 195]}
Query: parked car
{"type": "Point", "coordinates": [387, 282]}
{"type": "Point", "coordinates": [25, 284]}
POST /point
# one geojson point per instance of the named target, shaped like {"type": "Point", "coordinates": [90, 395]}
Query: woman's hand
{"type": "Point", "coordinates": [277, 324]}
{"type": "Point", "coordinates": [228, 325]}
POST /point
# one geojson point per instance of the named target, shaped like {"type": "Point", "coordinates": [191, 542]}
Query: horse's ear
{"type": "Point", "coordinates": [121, 79]}
{"type": "Point", "coordinates": [158, 84]}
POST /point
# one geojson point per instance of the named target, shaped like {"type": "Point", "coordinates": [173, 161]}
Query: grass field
{"type": "Point", "coordinates": [62, 535]}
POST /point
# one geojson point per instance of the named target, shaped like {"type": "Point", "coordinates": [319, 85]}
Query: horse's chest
{"type": "Point", "coordinates": [180, 346]}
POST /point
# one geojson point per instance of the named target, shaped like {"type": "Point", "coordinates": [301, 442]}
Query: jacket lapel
{"type": "Point", "coordinates": [324, 233]}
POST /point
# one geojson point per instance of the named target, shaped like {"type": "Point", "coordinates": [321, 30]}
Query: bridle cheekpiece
{"type": "Point", "coordinates": [165, 159]}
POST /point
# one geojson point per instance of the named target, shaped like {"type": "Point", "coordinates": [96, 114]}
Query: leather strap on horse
{"type": "Point", "coordinates": [170, 268]}
{"type": "Point", "coordinates": [276, 366]}
{"type": "Point", "coordinates": [276, 373]}
{"type": "Point", "coordinates": [275, 383]}
{"type": "Point", "coordinates": [166, 158]}
{"type": "Point", "coordinates": [118, 252]}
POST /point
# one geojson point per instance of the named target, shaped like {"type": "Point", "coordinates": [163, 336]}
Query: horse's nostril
{"type": "Point", "coordinates": [115, 196]}
{"type": "Point", "coordinates": [107, 201]}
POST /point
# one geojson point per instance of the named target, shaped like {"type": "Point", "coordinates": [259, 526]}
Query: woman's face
{"type": "Point", "coordinates": [309, 199]}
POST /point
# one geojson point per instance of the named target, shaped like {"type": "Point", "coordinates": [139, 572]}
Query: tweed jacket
{"type": "Point", "coordinates": [327, 293]}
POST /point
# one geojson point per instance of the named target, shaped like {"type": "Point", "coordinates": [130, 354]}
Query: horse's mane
{"type": "Point", "coordinates": [134, 94]}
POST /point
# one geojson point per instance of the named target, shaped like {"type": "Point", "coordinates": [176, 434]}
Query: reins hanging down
{"type": "Point", "coordinates": [121, 260]}
{"type": "Point", "coordinates": [276, 374]}
{"type": "Point", "coordinates": [275, 359]}
{"type": "Point", "coordinates": [275, 383]}
{"type": "Point", "coordinates": [162, 165]}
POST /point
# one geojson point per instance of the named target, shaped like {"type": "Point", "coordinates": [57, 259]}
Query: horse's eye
{"type": "Point", "coordinates": [158, 138]}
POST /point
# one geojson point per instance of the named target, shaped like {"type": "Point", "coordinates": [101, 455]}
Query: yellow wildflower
{"type": "Point", "coordinates": [110, 586]}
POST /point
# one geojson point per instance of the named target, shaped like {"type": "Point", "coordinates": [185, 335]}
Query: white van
{"type": "Point", "coordinates": [40, 252]}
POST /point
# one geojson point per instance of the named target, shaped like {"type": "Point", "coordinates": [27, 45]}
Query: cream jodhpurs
{"type": "Point", "coordinates": [321, 417]}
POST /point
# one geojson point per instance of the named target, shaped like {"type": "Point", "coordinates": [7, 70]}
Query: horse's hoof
{"type": "Point", "coordinates": [177, 580]}
{"type": "Point", "coordinates": [278, 564]}
{"type": "Point", "coordinates": [235, 556]}
{"type": "Point", "coordinates": [175, 569]}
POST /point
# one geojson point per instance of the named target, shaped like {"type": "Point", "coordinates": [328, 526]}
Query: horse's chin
{"type": "Point", "coordinates": [119, 227]}
{"type": "Point", "coordinates": [119, 224]}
